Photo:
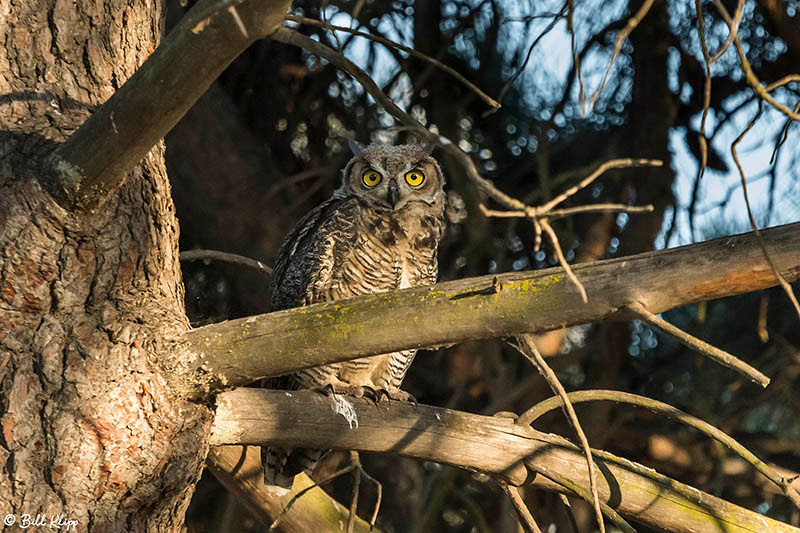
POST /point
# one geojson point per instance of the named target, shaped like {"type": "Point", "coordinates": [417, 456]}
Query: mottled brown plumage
{"type": "Point", "coordinates": [378, 232]}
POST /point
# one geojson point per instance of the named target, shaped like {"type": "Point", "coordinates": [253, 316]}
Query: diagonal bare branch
{"type": "Point", "coordinates": [720, 356]}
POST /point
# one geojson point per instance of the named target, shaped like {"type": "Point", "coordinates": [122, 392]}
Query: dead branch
{"type": "Point", "coordinates": [532, 414]}
{"type": "Point", "coordinates": [576, 61]}
{"type": "Point", "coordinates": [240, 351]}
{"type": "Point", "coordinates": [588, 180]}
{"type": "Point", "coordinates": [732, 33]}
{"type": "Point", "coordinates": [94, 161]}
{"type": "Point", "coordinates": [551, 234]}
{"type": "Point", "coordinates": [701, 347]}
{"type": "Point", "coordinates": [495, 445]}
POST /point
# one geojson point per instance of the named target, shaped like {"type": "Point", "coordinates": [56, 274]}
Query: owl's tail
{"type": "Point", "coordinates": [282, 464]}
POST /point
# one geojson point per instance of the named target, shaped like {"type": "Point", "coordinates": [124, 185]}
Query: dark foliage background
{"type": "Point", "coordinates": [266, 143]}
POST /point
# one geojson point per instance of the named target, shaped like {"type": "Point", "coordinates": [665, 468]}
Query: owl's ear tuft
{"type": "Point", "coordinates": [356, 147]}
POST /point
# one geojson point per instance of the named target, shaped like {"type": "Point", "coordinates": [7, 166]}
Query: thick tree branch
{"type": "Point", "coordinates": [93, 162]}
{"type": "Point", "coordinates": [495, 445]}
{"type": "Point", "coordinates": [238, 352]}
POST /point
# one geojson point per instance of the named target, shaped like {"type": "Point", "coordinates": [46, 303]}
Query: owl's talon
{"type": "Point", "coordinates": [396, 394]}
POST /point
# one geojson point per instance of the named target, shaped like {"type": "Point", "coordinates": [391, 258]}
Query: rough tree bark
{"type": "Point", "coordinates": [88, 302]}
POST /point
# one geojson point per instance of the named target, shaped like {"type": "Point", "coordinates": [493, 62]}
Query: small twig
{"type": "Point", "coordinates": [781, 82]}
{"type": "Point", "coordinates": [527, 347]}
{"type": "Point", "coordinates": [526, 519]}
{"type": "Point", "coordinates": [537, 235]}
{"type": "Point", "coordinates": [751, 77]}
{"type": "Point", "coordinates": [561, 213]}
{"type": "Point", "coordinates": [614, 163]}
{"type": "Point", "coordinates": [784, 135]}
{"type": "Point", "coordinates": [351, 520]}
{"type": "Point", "coordinates": [297, 496]}
{"type": "Point", "coordinates": [548, 229]}
{"type": "Point", "coordinates": [599, 208]}
{"type": "Point", "coordinates": [732, 33]}
{"type": "Point", "coordinates": [238, 20]}
{"type": "Point", "coordinates": [784, 284]}
{"type": "Point", "coordinates": [570, 515]}
{"type": "Point", "coordinates": [576, 60]}
{"type": "Point", "coordinates": [535, 412]}
{"type": "Point", "coordinates": [706, 99]}
{"type": "Point", "coordinates": [510, 82]}
{"type": "Point", "coordinates": [387, 42]}
{"type": "Point", "coordinates": [702, 347]}
{"type": "Point", "coordinates": [197, 255]}
{"type": "Point", "coordinates": [323, 8]}
{"type": "Point", "coordinates": [623, 34]}
{"type": "Point", "coordinates": [763, 307]}
{"type": "Point", "coordinates": [378, 498]}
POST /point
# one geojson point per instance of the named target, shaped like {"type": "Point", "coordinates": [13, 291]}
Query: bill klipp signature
{"type": "Point", "coordinates": [41, 520]}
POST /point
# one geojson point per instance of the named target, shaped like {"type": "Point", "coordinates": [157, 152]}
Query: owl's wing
{"type": "Point", "coordinates": [306, 261]}
{"type": "Point", "coordinates": [303, 275]}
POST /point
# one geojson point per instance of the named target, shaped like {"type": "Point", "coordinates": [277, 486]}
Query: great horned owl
{"type": "Point", "coordinates": [378, 232]}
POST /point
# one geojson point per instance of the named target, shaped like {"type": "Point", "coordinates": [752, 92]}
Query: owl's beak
{"type": "Point", "coordinates": [393, 194]}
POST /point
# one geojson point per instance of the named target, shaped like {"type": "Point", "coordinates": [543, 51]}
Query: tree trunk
{"type": "Point", "coordinates": [89, 303]}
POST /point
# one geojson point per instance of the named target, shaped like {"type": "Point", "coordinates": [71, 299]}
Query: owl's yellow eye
{"type": "Point", "coordinates": [371, 178]}
{"type": "Point", "coordinates": [415, 178]}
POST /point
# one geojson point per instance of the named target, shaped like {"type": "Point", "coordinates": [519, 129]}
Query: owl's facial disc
{"type": "Point", "coordinates": [393, 178]}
